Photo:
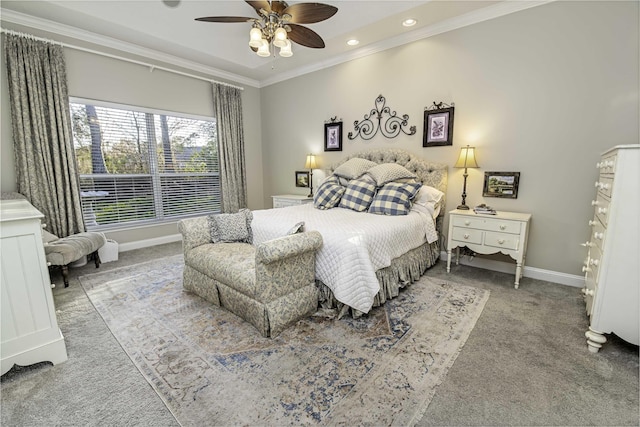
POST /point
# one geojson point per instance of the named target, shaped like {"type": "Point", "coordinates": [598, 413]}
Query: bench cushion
{"type": "Point", "coordinates": [69, 249]}
{"type": "Point", "coordinates": [231, 263]}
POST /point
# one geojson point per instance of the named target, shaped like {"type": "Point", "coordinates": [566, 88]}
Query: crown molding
{"type": "Point", "coordinates": [19, 18]}
{"type": "Point", "coordinates": [481, 15]}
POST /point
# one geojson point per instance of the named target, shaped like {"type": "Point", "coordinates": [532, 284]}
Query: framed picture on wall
{"type": "Point", "coordinates": [302, 179]}
{"type": "Point", "coordinates": [333, 136]}
{"type": "Point", "coordinates": [438, 127]}
{"type": "Point", "coordinates": [501, 184]}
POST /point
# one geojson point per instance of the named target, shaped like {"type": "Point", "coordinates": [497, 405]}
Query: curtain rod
{"type": "Point", "coordinates": [121, 58]}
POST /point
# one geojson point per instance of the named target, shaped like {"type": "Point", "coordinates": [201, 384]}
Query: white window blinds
{"type": "Point", "coordinates": [140, 167]}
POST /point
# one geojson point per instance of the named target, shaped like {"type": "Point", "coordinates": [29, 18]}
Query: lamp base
{"type": "Point", "coordinates": [463, 207]}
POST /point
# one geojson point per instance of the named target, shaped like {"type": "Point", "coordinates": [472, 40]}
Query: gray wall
{"type": "Point", "coordinates": [543, 92]}
{"type": "Point", "coordinates": [98, 77]}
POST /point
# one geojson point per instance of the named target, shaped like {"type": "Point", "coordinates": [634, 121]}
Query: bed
{"type": "Point", "coordinates": [366, 258]}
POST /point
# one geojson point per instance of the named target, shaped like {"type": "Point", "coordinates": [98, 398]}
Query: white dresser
{"type": "Point", "coordinates": [30, 332]}
{"type": "Point", "coordinates": [612, 266]}
{"type": "Point", "coordinates": [285, 200]}
{"type": "Point", "coordinates": [504, 232]}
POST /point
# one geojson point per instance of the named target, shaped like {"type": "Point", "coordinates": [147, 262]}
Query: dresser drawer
{"type": "Point", "coordinates": [501, 240]}
{"type": "Point", "coordinates": [467, 235]}
{"type": "Point", "coordinates": [489, 224]}
{"type": "Point", "coordinates": [604, 184]}
{"type": "Point", "coordinates": [602, 209]}
{"type": "Point", "coordinates": [607, 165]}
{"type": "Point", "coordinates": [598, 233]}
{"type": "Point", "coordinates": [594, 259]}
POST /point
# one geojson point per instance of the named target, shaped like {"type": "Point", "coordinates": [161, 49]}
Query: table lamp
{"type": "Point", "coordinates": [466, 160]}
{"type": "Point", "coordinates": [311, 165]}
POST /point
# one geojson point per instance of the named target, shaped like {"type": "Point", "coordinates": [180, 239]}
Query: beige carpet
{"type": "Point", "coordinates": [212, 368]}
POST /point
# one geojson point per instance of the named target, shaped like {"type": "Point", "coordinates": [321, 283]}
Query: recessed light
{"type": "Point", "coordinates": [353, 42]}
{"type": "Point", "coordinates": [409, 22]}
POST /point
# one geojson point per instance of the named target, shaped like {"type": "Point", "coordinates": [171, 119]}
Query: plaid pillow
{"type": "Point", "coordinates": [329, 194]}
{"type": "Point", "coordinates": [358, 195]}
{"type": "Point", "coordinates": [394, 198]}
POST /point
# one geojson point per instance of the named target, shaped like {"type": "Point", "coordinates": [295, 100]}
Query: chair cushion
{"type": "Point", "coordinates": [69, 249]}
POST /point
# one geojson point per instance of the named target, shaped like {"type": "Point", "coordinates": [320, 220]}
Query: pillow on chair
{"type": "Point", "coordinates": [228, 228]}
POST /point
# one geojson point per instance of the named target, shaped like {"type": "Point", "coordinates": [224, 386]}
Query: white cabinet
{"type": "Point", "coordinates": [30, 332]}
{"type": "Point", "coordinates": [612, 271]}
{"type": "Point", "coordinates": [504, 232]}
{"type": "Point", "coordinates": [285, 200]}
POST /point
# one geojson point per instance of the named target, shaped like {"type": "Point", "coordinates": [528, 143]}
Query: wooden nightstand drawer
{"type": "Point", "coordinates": [487, 223]}
{"type": "Point", "coordinates": [501, 240]}
{"type": "Point", "coordinates": [467, 235]}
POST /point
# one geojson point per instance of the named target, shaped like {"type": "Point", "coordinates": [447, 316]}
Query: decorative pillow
{"type": "Point", "coordinates": [235, 227]}
{"type": "Point", "coordinates": [388, 172]}
{"type": "Point", "coordinates": [354, 168]}
{"type": "Point", "coordinates": [329, 194]}
{"type": "Point", "coordinates": [298, 228]}
{"type": "Point", "coordinates": [358, 195]}
{"type": "Point", "coordinates": [394, 198]}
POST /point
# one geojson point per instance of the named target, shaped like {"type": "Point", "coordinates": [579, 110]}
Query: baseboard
{"type": "Point", "coordinates": [531, 272]}
{"type": "Point", "coordinates": [139, 244]}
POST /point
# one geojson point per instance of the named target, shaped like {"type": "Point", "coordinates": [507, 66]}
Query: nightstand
{"type": "Point", "coordinates": [505, 232]}
{"type": "Point", "coordinates": [285, 200]}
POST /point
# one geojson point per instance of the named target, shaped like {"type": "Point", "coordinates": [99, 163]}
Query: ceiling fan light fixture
{"type": "Point", "coordinates": [280, 37]}
{"type": "Point", "coordinates": [264, 50]}
{"type": "Point", "coordinates": [286, 51]}
{"type": "Point", "coordinates": [255, 37]}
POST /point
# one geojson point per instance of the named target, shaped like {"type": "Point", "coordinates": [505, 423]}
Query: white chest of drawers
{"type": "Point", "coordinates": [612, 266]}
{"type": "Point", "coordinates": [30, 332]}
{"type": "Point", "coordinates": [505, 232]}
{"type": "Point", "coordinates": [285, 200]}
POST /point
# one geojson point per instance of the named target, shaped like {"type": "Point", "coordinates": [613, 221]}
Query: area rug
{"type": "Point", "coordinates": [212, 368]}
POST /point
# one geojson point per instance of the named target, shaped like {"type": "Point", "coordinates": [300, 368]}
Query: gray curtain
{"type": "Point", "coordinates": [43, 146]}
{"type": "Point", "coordinates": [227, 107]}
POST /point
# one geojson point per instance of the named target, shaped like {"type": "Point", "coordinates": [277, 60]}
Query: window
{"type": "Point", "coordinates": [139, 167]}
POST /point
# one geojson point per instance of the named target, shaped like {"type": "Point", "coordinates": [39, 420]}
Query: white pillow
{"type": "Point", "coordinates": [389, 172]}
{"type": "Point", "coordinates": [428, 195]}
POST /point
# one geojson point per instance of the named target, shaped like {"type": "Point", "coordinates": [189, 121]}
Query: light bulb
{"type": "Point", "coordinates": [286, 49]}
{"type": "Point", "coordinates": [264, 50]}
{"type": "Point", "coordinates": [280, 37]}
{"type": "Point", "coordinates": [255, 37]}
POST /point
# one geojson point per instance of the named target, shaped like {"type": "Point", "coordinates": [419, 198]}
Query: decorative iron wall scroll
{"type": "Point", "coordinates": [388, 122]}
{"type": "Point", "coordinates": [438, 124]}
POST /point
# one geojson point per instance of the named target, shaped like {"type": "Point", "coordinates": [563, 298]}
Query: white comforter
{"type": "Point", "coordinates": [355, 244]}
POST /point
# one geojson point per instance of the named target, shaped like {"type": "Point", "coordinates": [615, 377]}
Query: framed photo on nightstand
{"type": "Point", "coordinates": [302, 179]}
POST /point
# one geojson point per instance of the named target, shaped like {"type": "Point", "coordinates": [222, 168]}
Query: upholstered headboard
{"type": "Point", "coordinates": [429, 173]}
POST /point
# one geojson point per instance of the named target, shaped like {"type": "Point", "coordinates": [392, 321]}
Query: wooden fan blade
{"type": "Point", "coordinates": [278, 6]}
{"type": "Point", "coordinates": [257, 5]}
{"type": "Point", "coordinates": [224, 19]}
{"type": "Point", "coordinates": [305, 37]}
{"type": "Point", "coordinates": [309, 13]}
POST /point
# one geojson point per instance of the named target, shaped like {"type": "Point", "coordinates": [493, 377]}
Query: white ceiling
{"type": "Point", "coordinates": [166, 32]}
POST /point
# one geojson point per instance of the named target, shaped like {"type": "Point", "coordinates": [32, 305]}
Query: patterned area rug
{"type": "Point", "coordinates": [212, 368]}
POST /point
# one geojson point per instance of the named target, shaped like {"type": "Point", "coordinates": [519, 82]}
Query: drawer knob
{"type": "Point", "coordinates": [592, 222]}
{"type": "Point", "coordinates": [43, 226]}
{"type": "Point", "coordinates": [598, 235]}
{"type": "Point", "coordinates": [587, 244]}
{"type": "Point", "coordinates": [599, 165]}
{"type": "Point", "coordinates": [602, 210]}
{"type": "Point", "coordinates": [594, 262]}
{"type": "Point", "coordinates": [503, 227]}
{"type": "Point", "coordinates": [594, 203]}
{"type": "Point", "coordinates": [585, 269]}
{"type": "Point", "coordinates": [501, 241]}
{"type": "Point", "coordinates": [587, 292]}
{"type": "Point", "coordinates": [466, 236]}
{"type": "Point", "coordinates": [53, 285]}
{"type": "Point", "coordinates": [467, 222]}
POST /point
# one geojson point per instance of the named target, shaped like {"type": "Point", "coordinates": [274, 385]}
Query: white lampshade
{"type": "Point", "coordinates": [467, 158]}
{"type": "Point", "coordinates": [311, 162]}
{"type": "Point", "coordinates": [264, 50]}
{"type": "Point", "coordinates": [280, 37]}
{"type": "Point", "coordinates": [286, 49]}
{"type": "Point", "coordinates": [255, 37]}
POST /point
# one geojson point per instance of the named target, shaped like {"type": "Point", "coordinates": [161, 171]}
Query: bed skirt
{"type": "Point", "coordinates": [403, 271]}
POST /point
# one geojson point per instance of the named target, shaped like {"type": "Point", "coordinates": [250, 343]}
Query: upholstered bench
{"type": "Point", "coordinates": [269, 285]}
{"type": "Point", "coordinates": [63, 251]}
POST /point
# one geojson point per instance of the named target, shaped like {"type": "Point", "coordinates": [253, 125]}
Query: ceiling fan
{"type": "Point", "coordinates": [279, 24]}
